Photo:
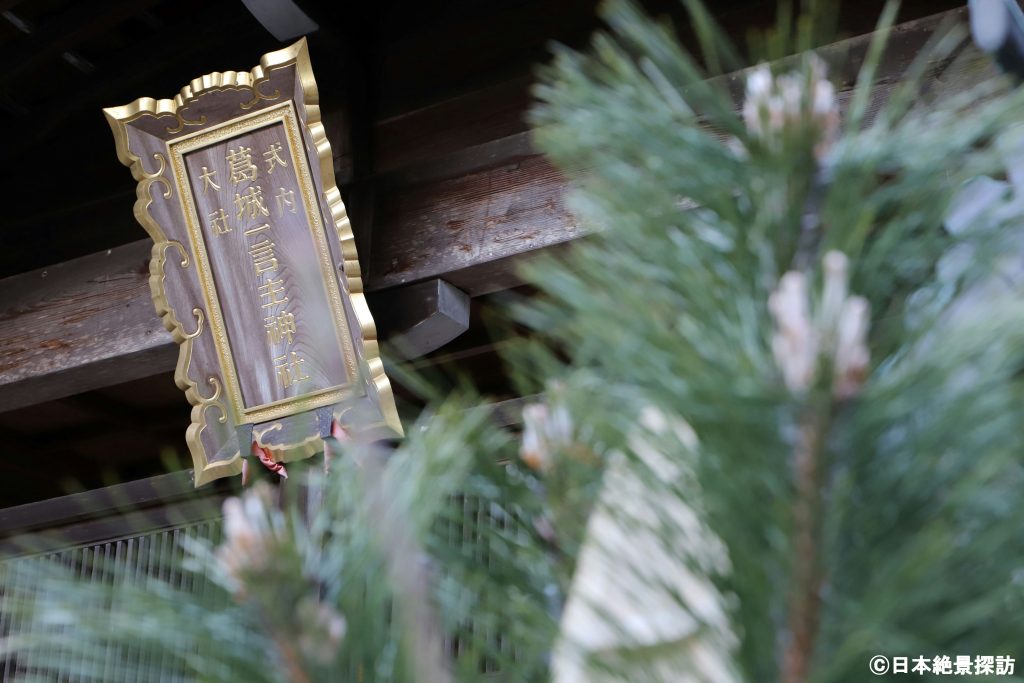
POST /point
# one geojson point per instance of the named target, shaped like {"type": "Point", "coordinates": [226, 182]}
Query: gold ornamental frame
{"type": "Point", "coordinates": [366, 404]}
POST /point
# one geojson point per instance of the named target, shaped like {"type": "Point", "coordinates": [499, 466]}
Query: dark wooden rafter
{"type": "Point", "coordinates": [6, 5]}
{"type": "Point", "coordinates": [109, 82]}
{"type": "Point", "coordinates": [74, 26]}
{"type": "Point", "coordinates": [282, 18]}
{"type": "Point", "coordinates": [348, 37]}
{"type": "Point", "coordinates": [511, 36]}
{"type": "Point", "coordinates": [105, 411]}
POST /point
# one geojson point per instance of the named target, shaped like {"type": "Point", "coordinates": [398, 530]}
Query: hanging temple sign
{"type": "Point", "coordinates": [254, 269]}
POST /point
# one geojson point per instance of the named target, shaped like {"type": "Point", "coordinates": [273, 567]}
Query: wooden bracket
{"type": "Point", "coordinates": [420, 318]}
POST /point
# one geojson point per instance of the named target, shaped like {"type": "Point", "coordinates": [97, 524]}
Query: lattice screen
{"type": "Point", "coordinates": [466, 534]}
{"type": "Point", "coordinates": [157, 554]}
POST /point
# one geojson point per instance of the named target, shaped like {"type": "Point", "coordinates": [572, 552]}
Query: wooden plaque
{"type": "Point", "coordinates": [254, 268]}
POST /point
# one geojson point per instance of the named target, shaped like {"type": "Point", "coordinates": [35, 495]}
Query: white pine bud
{"type": "Point", "coordinates": [795, 342]}
{"type": "Point", "coordinates": [792, 102]}
{"type": "Point", "coordinates": [838, 330]}
{"type": "Point", "coordinates": [247, 538]}
{"type": "Point", "coordinates": [851, 357]}
{"type": "Point", "coordinates": [759, 86]}
{"type": "Point", "coordinates": [759, 82]}
{"type": "Point", "coordinates": [823, 104]}
{"type": "Point", "coordinates": [792, 93]}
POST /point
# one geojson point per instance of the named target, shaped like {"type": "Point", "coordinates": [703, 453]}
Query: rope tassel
{"type": "Point", "coordinates": [264, 456]}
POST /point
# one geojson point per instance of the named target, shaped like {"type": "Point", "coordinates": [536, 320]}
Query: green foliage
{"type": "Point", "coordinates": [281, 576]}
{"type": "Point", "coordinates": [921, 476]}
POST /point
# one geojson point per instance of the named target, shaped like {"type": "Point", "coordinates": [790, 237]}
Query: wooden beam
{"type": "Point", "coordinates": [89, 323]}
{"type": "Point", "coordinates": [463, 196]}
{"type": "Point", "coordinates": [164, 489]}
{"type": "Point", "coordinates": [112, 528]}
{"type": "Point", "coordinates": [131, 496]}
{"type": "Point", "coordinates": [441, 228]}
{"type": "Point", "coordinates": [80, 325]}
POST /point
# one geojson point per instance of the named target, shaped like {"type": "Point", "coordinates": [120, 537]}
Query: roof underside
{"type": "Point", "coordinates": [382, 68]}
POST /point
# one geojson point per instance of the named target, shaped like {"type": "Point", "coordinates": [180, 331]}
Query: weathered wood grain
{"type": "Point", "coordinates": [438, 228]}
{"type": "Point", "coordinates": [89, 322]}
{"type": "Point", "coordinates": [81, 324]}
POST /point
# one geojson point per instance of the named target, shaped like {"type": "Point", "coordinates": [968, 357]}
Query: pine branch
{"type": "Point", "coordinates": [805, 597]}
{"type": "Point", "coordinates": [406, 565]}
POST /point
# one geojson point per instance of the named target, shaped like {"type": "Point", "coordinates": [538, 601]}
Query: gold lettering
{"type": "Point", "coordinates": [271, 292]}
{"type": "Point", "coordinates": [241, 166]}
{"type": "Point", "coordinates": [289, 370]}
{"type": "Point", "coordinates": [208, 182]}
{"type": "Point", "coordinates": [263, 259]}
{"type": "Point", "coordinates": [280, 327]}
{"type": "Point", "coordinates": [258, 229]}
{"type": "Point", "coordinates": [285, 199]}
{"type": "Point", "coordinates": [251, 203]}
{"type": "Point", "coordinates": [272, 158]}
{"type": "Point", "coordinates": [219, 222]}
